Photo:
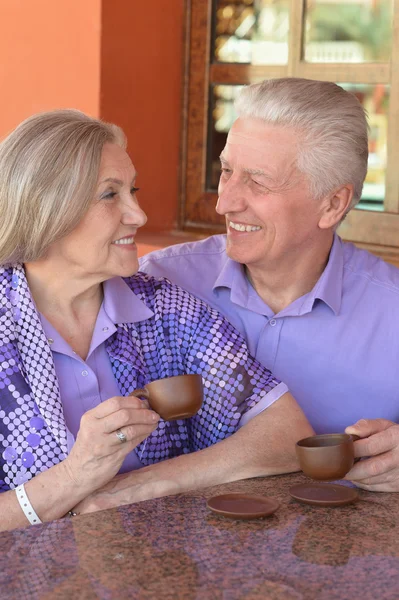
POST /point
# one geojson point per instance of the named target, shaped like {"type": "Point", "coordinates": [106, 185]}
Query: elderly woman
{"type": "Point", "coordinates": [81, 329]}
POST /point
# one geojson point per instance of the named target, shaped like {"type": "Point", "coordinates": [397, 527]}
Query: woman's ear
{"type": "Point", "coordinates": [336, 205]}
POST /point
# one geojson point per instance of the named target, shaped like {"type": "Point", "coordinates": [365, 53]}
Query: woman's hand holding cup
{"type": "Point", "coordinates": [107, 434]}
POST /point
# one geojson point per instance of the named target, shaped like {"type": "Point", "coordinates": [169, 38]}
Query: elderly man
{"type": "Point", "coordinates": [318, 312]}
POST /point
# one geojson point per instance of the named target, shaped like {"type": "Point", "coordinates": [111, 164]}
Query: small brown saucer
{"type": "Point", "coordinates": [324, 494]}
{"type": "Point", "coordinates": [242, 506]}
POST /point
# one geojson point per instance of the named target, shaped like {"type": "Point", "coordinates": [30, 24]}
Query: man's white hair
{"type": "Point", "coordinates": [331, 123]}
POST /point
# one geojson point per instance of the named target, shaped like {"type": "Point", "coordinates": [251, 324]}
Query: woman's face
{"type": "Point", "coordinates": [102, 245]}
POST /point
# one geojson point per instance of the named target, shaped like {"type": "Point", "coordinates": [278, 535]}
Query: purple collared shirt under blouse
{"type": "Point", "coordinates": [84, 384]}
{"type": "Point", "coordinates": [337, 347]}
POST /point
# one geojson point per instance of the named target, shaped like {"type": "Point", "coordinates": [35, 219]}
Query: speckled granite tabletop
{"type": "Point", "coordinates": [175, 548]}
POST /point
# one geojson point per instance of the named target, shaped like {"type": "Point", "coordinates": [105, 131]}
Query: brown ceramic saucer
{"type": "Point", "coordinates": [242, 506]}
{"type": "Point", "coordinates": [324, 494]}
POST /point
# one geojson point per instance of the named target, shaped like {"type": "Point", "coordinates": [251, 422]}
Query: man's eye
{"type": "Point", "coordinates": [134, 190]}
{"type": "Point", "coordinates": [259, 184]}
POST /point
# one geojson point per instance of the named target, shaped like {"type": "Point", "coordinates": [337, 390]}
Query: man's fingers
{"type": "Point", "coordinates": [383, 479]}
{"type": "Point", "coordinates": [375, 466]}
{"type": "Point", "coordinates": [379, 472]}
{"type": "Point", "coordinates": [374, 488]}
{"type": "Point", "coordinates": [378, 443]}
{"type": "Point", "coordinates": [384, 483]}
{"type": "Point", "coordinates": [367, 427]}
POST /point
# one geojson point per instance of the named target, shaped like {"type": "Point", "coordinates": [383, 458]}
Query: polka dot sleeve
{"type": "Point", "coordinates": [190, 337]}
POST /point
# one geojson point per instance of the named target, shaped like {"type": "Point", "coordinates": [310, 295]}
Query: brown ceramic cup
{"type": "Point", "coordinates": [178, 397]}
{"type": "Point", "coordinates": [326, 457]}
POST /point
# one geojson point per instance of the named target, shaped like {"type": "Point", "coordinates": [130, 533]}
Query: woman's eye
{"type": "Point", "coordinates": [134, 190]}
{"type": "Point", "coordinates": [108, 196]}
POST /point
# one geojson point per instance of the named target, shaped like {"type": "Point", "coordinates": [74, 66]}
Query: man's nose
{"type": "Point", "coordinates": [231, 198]}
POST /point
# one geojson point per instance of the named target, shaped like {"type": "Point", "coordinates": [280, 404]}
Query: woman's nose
{"type": "Point", "coordinates": [133, 214]}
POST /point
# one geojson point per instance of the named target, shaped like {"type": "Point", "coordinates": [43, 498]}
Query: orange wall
{"type": "Point", "coordinates": [141, 66]}
{"type": "Point", "coordinates": [49, 57]}
{"type": "Point", "coordinates": [118, 59]}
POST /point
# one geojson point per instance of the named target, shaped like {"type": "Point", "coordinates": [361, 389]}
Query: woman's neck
{"type": "Point", "coordinates": [71, 303]}
{"type": "Point", "coordinates": [59, 290]}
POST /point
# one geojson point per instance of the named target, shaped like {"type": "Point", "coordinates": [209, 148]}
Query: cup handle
{"type": "Point", "coordinates": [143, 392]}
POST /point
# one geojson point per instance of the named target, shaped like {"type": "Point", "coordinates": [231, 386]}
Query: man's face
{"type": "Point", "coordinates": [270, 215]}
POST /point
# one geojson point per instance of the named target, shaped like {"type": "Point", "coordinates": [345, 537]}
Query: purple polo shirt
{"type": "Point", "coordinates": [86, 383]}
{"type": "Point", "coordinates": [337, 347]}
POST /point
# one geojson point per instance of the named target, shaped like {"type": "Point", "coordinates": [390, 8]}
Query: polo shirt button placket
{"type": "Point", "coordinates": [272, 322]}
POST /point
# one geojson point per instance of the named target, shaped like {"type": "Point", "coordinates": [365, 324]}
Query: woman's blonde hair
{"type": "Point", "coordinates": [49, 168]}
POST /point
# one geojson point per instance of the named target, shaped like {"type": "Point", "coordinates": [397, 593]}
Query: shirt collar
{"type": "Point", "coordinates": [121, 304]}
{"type": "Point", "coordinates": [232, 276]}
{"type": "Point", "coordinates": [328, 288]}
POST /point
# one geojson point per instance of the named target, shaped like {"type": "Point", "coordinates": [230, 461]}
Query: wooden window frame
{"type": "Point", "coordinates": [197, 204]}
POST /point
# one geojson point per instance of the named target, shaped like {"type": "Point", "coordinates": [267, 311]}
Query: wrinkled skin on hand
{"type": "Point", "coordinates": [379, 448]}
{"type": "Point", "coordinates": [97, 454]}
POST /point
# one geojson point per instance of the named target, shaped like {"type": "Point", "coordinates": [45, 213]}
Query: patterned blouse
{"type": "Point", "coordinates": [181, 335]}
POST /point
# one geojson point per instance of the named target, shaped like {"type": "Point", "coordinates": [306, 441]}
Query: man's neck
{"type": "Point", "coordinates": [281, 284]}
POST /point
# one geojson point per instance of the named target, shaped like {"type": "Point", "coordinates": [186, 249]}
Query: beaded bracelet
{"type": "Point", "coordinates": [26, 506]}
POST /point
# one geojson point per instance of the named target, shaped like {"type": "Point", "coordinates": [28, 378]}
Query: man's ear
{"type": "Point", "coordinates": [336, 205]}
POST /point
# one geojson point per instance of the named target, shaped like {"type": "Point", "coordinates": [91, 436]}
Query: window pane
{"type": "Point", "coordinates": [375, 99]}
{"type": "Point", "coordinates": [252, 31]}
{"type": "Point", "coordinates": [348, 31]}
{"type": "Point", "coordinates": [222, 118]}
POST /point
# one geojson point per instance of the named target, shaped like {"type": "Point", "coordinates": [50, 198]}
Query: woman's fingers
{"type": "Point", "coordinates": [114, 404]}
{"type": "Point", "coordinates": [133, 433]}
{"type": "Point", "coordinates": [98, 452]}
{"type": "Point", "coordinates": [129, 416]}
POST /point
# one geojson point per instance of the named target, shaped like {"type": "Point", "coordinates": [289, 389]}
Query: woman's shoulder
{"type": "Point", "coordinates": [8, 283]}
{"type": "Point", "coordinates": [10, 278]}
{"type": "Point", "coordinates": [146, 287]}
{"type": "Point", "coordinates": [6, 272]}
{"type": "Point", "coordinates": [160, 290]}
